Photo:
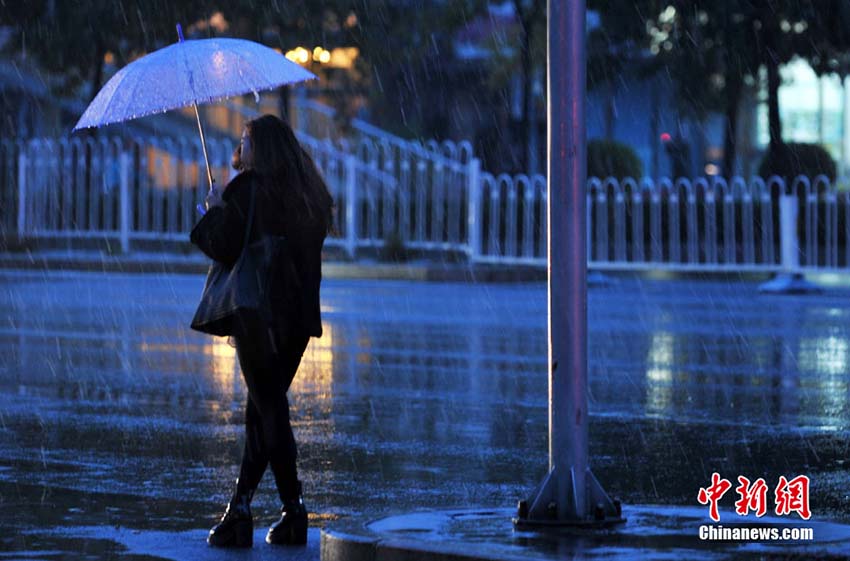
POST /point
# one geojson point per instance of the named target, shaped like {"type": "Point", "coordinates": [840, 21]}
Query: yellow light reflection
{"type": "Point", "coordinates": [343, 57]}
{"type": "Point", "coordinates": [312, 390]}
{"type": "Point", "coordinates": [161, 347]}
{"type": "Point", "coordinates": [218, 22]}
{"type": "Point", "coordinates": [225, 367]}
{"type": "Point", "coordinates": [162, 167]}
{"type": "Point", "coordinates": [315, 375]}
{"type": "Point", "coordinates": [299, 55]}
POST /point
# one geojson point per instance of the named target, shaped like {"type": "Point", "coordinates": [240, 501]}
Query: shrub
{"type": "Point", "coordinates": [791, 159]}
{"type": "Point", "coordinates": [608, 158]}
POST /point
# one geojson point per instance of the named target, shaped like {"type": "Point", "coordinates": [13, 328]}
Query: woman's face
{"type": "Point", "coordinates": [246, 151]}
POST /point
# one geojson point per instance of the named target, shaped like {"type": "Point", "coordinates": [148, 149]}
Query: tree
{"type": "Point", "coordinates": [402, 59]}
{"type": "Point", "coordinates": [532, 20]}
{"type": "Point", "coordinates": [710, 48]}
{"type": "Point", "coordinates": [408, 59]}
{"type": "Point", "coordinates": [782, 30]}
{"type": "Point", "coordinates": [616, 45]}
{"type": "Point", "coordinates": [70, 39]}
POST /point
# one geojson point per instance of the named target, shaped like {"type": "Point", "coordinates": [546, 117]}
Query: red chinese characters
{"type": "Point", "coordinates": [793, 496]}
{"type": "Point", "coordinates": [753, 497]}
{"type": "Point", "coordinates": [790, 496]}
{"type": "Point", "coordinates": [713, 494]}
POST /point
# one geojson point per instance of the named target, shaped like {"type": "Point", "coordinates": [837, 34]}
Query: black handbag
{"type": "Point", "coordinates": [238, 300]}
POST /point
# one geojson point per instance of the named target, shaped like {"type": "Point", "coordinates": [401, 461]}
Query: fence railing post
{"type": "Point", "coordinates": [588, 232]}
{"type": "Point", "coordinates": [22, 193]}
{"type": "Point", "coordinates": [788, 243]}
{"type": "Point", "coordinates": [351, 204]}
{"type": "Point", "coordinates": [124, 201]}
{"type": "Point", "coordinates": [473, 208]}
{"type": "Point", "coordinates": [789, 280]}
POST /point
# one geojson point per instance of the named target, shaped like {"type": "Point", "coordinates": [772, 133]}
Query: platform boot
{"type": "Point", "coordinates": [291, 529]}
{"type": "Point", "coordinates": [236, 528]}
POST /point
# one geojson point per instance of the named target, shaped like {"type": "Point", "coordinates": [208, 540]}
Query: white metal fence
{"type": "Point", "coordinates": [145, 189]}
{"type": "Point", "coordinates": [148, 189]}
{"type": "Point", "coordinates": [713, 225]}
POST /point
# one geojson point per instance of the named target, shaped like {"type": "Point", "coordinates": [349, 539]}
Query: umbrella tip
{"type": "Point", "coordinates": [180, 32]}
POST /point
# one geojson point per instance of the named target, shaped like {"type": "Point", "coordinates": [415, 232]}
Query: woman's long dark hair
{"type": "Point", "coordinates": [287, 170]}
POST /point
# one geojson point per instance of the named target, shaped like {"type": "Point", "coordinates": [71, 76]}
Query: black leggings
{"type": "Point", "coordinates": [268, 434]}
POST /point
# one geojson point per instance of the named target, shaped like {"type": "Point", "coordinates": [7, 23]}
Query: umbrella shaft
{"type": "Point", "coordinates": [203, 145]}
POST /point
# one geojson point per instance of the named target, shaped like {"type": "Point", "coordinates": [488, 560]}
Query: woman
{"type": "Point", "coordinates": [291, 200]}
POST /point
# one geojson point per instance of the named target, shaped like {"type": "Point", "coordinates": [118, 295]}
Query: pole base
{"type": "Point", "coordinates": [789, 283]}
{"type": "Point", "coordinates": [544, 514]}
{"type": "Point", "coordinates": [604, 523]}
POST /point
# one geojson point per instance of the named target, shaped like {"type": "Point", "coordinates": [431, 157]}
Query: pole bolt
{"type": "Point", "coordinates": [522, 509]}
{"type": "Point", "coordinates": [552, 510]}
{"type": "Point", "coordinates": [599, 512]}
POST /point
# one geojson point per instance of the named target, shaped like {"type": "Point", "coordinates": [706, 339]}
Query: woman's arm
{"type": "Point", "coordinates": [220, 232]}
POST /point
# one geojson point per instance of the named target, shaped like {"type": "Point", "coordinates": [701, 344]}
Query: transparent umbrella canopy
{"type": "Point", "coordinates": [188, 73]}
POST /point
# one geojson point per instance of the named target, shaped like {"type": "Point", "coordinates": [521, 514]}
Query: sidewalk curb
{"type": "Point", "coordinates": [487, 534]}
{"type": "Point", "coordinates": [193, 264]}
{"type": "Point", "coordinates": [352, 541]}
{"type": "Point", "coordinates": [161, 263]}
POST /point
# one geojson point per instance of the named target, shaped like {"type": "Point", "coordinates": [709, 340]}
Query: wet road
{"type": "Point", "coordinates": [114, 413]}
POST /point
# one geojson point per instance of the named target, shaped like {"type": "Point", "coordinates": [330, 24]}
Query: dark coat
{"type": "Point", "coordinates": [221, 231]}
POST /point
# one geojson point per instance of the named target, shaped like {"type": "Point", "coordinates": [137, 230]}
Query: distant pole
{"type": "Point", "coordinates": [569, 495]}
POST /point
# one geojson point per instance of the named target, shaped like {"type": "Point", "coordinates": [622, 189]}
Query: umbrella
{"type": "Point", "coordinates": [187, 73]}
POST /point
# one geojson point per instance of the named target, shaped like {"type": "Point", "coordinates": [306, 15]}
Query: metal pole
{"type": "Point", "coordinates": [203, 145]}
{"type": "Point", "coordinates": [198, 118]}
{"type": "Point", "coordinates": [789, 244]}
{"type": "Point", "coordinates": [789, 280]}
{"type": "Point", "coordinates": [569, 495]}
{"type": "Point", "coordinates": [351, 204]}
{"type": "Point", "coordinates": [473, 195]}
{"type": "Point", "coordinates": [567, 253]}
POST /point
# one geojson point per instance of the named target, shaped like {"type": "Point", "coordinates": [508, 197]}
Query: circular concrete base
{"type": "Point", "coordinates": [651, 532]}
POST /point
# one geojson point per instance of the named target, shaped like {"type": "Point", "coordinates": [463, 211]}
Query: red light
{"type": "Point", "coordinates": [665, 137]}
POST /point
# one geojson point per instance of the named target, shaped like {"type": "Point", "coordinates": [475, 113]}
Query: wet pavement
{"type": "Point", "coordinates": [651, 533]}
{"type": "Point", "coordinates": [117, 420]}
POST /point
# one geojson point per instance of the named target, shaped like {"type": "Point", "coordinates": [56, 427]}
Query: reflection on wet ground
{"type": "Point", "coordinates": [112, 411]}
